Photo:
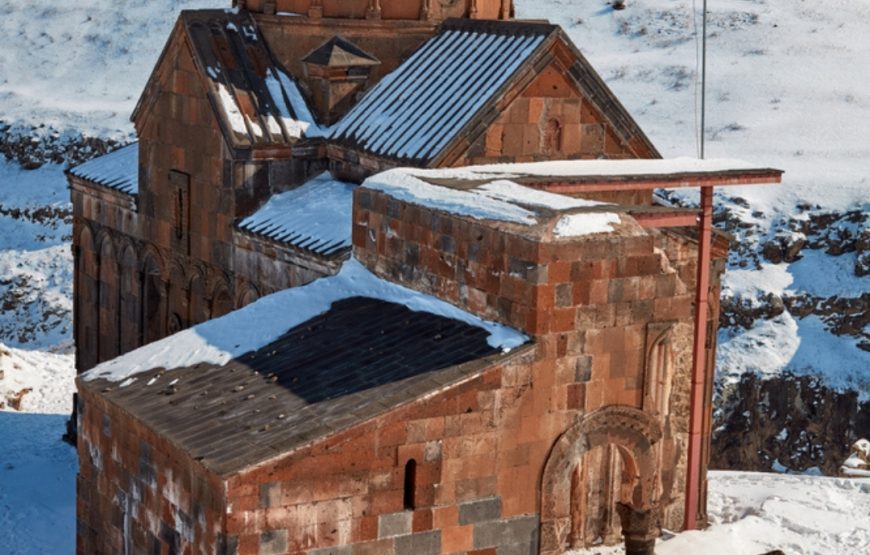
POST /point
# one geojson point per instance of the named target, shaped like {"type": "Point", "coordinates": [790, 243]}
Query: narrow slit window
{"type": "Point", "coordinates": [410, 483]}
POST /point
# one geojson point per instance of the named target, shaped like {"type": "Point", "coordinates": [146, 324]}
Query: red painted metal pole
{"type": "Point", "coordinates": [699, 360]}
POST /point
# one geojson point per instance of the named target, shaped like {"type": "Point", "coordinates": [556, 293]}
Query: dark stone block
{"type": "Point", "coordinates": [273, 542]}
{"type": "Point", "coordinates": [268, 493]}
{"type": "Point", "coordinates": [480, 511]}
{"type": "Point", "coordinates": [427, 543]}
{"type": "Point", "coordinates": [522, 530]}
{"type": "Point", "coordinates": [583, 369]}
{"type": "Point", "coordinates": [564, 295]}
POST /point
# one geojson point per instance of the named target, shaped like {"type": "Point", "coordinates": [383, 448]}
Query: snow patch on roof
{"type": "Point", "coordinates": [315, 216]}
{"type": "Point", "coordinates": [514, 192]}
{"type": "Point", "coordinates": [603, 168]}
{"type": "Point", "coordinates": [231, 110]}
{"type": "Point", "coordinates": [292, 108]}
{"type": "Point", "coordinates": [219, 341]}
{"type": "Point", "coordinates": [500, 199]}
{"type": "Point", "coordinates": [117, 170]}
{"type": "Point", "coordinates": [476, 203]}
{"type": "Point", "coordinates": [575, 225]}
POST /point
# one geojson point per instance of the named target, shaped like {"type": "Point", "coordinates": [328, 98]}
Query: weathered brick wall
{"type": "Point", "coordinates": [136, 492]}
{"type": "Point", "coordinates": [589, 303]}
{"type": "Point", "coordinates": [482, 445]}
{"type": "Point", "coordinates": [267, 266]}
{"type": "Point", "coordinates": [348, 490]}
{"type": "Point", "coordinates": [178, 132]}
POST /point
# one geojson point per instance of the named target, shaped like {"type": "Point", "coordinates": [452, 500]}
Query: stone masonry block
{"type": "Point", "coordinates": [427, 543]}
{"type": "Point", "coordinates": [273, 543]}
{"type": "Point", "coordinates": [339, 550]}
{"type": "Point", "coordinates": [480, 511]}
{"type": "Point", "coordinates": [521, 530]}
{"type": "Point", "coordinates": [395, 524]}
{"type": "Point", "coordinates": [270, 495]}
{"type": "Point", "coordinates": [381, 547]}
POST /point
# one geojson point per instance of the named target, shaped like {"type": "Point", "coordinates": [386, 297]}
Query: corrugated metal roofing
{"type": "Point", "coordinates": [360, 359]}
{"type": "Point", "coordinates": [258, 103]}
{"type": "Point", "coordinates": [117, 170]}
{"type": "Point", "coordinates": [315, 216]}
{"type": "Point", "coordinates": [416, 110]}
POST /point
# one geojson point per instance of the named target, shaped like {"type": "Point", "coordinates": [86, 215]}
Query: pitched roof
{"type": "Point", "coordinates": [340, 52]}
{"type": "Point", "coordinates": [315, 216]}
{"type": "Point", "coordinates": [360, 359]}
{"type": "Point", "coordinates": [256, 102]}
{"type": "Point", "coordinates": [413, 113]}
{"type": "Point", "coordinates": [118, 170]}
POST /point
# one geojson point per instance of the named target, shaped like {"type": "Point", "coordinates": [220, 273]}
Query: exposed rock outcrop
{"type": "Point", "coordinates": [787, 421]}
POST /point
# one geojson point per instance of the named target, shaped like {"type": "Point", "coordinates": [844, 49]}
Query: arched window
{"type": "Point", "coordinates": [410, 484]}
{"type": "Point", "coordinates": [658, 369]}
{"type": "Point", "coordinates": [553, 137]}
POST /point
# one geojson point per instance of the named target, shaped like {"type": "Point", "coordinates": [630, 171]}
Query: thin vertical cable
{"type": "Point", "coordinates": [703, 73]}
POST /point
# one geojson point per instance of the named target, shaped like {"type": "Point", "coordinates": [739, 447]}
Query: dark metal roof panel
{"type": "Point", "coordinates": [360, 359]}
{"type": "Point", "coordinates": [415, 111]}
{"type": "Point", "coordinates": [257, 102]}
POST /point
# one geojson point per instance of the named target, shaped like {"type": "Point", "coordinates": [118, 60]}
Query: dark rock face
{"type": "Point", "coordinates": [794, 420]}
{"type": "Point", "coordinates": [33, 147]}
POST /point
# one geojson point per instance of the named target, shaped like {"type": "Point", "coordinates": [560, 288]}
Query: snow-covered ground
{"type": "Point", "coordinates": [81, 65]}
{"type": "Point", "coordinates": [753, 513]}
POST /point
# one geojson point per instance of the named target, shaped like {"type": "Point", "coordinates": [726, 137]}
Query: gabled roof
{"type": "Point", "coordinates": [413, 113]}
{"type": "Point", "coordinates": [357, 347]}
{"type": "Point", "coordinates": [340, 52]}
{"type": "Point", "coordinates": [256, 102]}
{"type": "Point", "coordinates": [315, 216]}
{"type": "Point", "coordinates": [118, 170]}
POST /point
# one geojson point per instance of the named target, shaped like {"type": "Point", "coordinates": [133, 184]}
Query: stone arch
{"type": "Point", "coordinates": [248, 295]}
{"type": "Point", "coordinates": [131, 305]}
{"type": "Point", "coordinates": [221, 300]}
{"type": "Point", "coordinates": [179, 299]}
{"type": "Point", "coordinates": [658, 368]}
{"type": "Point", "coordinates": [632, 434]}
{"type": "Point", "coordinates": [153, 298]}
{"type": "Point", "coordinates": [109, 297]}
{"type": "Point", "coordinates": [87, 301]}
{"type": "Point", "coordinates": [198, 307]}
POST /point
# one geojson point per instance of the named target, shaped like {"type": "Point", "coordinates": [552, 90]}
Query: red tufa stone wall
{"type": "Point", "coordinates": [482, 445]}
{"type": "Point", "coordinates": [131, 479]}
{"type": "Point", "coordinates": [491, 451]}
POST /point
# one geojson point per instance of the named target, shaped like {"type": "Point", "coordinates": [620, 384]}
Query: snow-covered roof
{"type": "Point", "coordinates": [298, 365]}
{"type": "Point", "coordinates": [221, 340]}
{"type": "Point", "coordinates": [418, 109]}
{"type": "Point", "coordinates": [596, 168]}
{"type": "Point", "coordinates": [117, 170]}
{"type": "Point", "coordinates": [490, 197]}
{"type": "Point", "coordinates": [315, 216]}
{"type": "Point", "coordinates": [258, 103]}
